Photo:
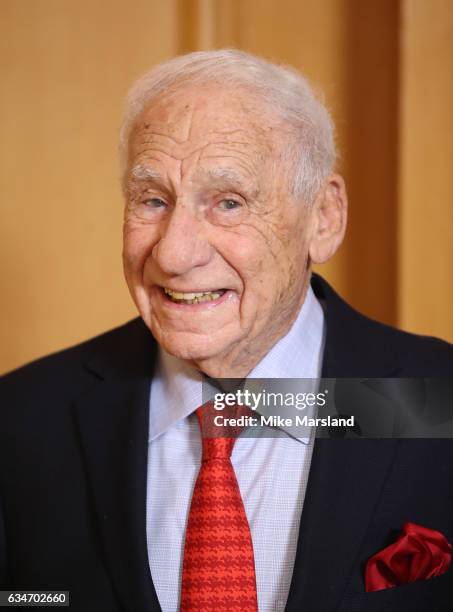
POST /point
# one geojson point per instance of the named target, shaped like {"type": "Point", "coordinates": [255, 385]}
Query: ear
{"type": "Point", "coordinates": [329, 217]}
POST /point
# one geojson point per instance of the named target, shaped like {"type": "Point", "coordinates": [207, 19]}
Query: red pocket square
{"type": "Point", "coordinates": [418, 554]}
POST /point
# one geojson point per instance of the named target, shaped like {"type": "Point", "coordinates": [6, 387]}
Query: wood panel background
{"type": "Point", "coordinates": [385, 67]}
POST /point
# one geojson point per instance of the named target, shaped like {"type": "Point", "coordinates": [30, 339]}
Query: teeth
{"type": "Point", "coordinates": [193, 298]}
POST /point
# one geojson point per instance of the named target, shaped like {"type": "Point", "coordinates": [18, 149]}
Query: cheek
{"type": "Point", "coordinates": [138, 243]}
{"type": "Point", "coordinates": [252, 253]}
{"type": "Point", "coordinates": [285, 268]}
{"type": "Point", "coordinates": [294, 264]}
{"type": "Point", "coordinates": [246, 257]}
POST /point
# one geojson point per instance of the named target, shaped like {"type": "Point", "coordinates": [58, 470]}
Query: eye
{"type": "Point", "coordinates": [230, 204]}
{"type": "Point", "coordinates": [228, 211]}
{"type": "Point", "coordinates": [154, 203]}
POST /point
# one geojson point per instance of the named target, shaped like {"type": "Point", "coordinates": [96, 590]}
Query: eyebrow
{"type": "Point", "coordinates": [224, 176]}
{"type": "Point", "coordinates": [143, 173]}
{"type": "Point", "coordinates": [229, 177]}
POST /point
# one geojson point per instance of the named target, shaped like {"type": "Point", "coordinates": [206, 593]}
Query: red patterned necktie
{"type": "Point", "coordinates": [219, 568]}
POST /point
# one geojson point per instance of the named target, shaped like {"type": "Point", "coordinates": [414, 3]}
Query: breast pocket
{"type": "Point", "coordinates": [433, 595]}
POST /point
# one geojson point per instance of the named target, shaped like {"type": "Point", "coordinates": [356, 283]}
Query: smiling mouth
{"type": "Point", "coordinates": [193, 298]}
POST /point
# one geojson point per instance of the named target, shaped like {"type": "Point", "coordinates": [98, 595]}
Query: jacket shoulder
{"type": "Point", "coordinates": [414, 355]}
{"type": "Point", "coordinates": [358, 346]}
{"type": "Point", "coordinates": [64, 369]}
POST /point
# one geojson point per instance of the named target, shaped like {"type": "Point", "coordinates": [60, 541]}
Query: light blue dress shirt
{"type": "Point", "coordinates": [272, 472]}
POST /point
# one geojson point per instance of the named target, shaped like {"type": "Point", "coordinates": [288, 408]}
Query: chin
{"type": "Point", "coordinates": [189, 347]}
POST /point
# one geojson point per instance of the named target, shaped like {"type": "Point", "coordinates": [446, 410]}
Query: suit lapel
{"type": "Point", "coordinates": [346, 476]}
{"type": "Point", "coordinates": [112, 421]}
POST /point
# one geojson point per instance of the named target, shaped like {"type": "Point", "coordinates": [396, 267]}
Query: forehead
{"type": "Point", "coordinates": [205, 123]}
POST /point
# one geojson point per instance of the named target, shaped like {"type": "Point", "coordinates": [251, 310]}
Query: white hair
{"type": "Point", "coordinates": [311, 152]}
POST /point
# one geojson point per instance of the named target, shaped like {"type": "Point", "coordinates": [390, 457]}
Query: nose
{"type": "Point", "coordinates": [183, 244]}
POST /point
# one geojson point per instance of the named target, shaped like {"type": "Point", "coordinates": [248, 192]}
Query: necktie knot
{"type": "Point", "coordinates": [215, 443]}
{"type": "Point", "coordinates": [217, 448]}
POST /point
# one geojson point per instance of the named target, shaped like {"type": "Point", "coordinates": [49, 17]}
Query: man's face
{"type": "Point", "coordinates": [215, 248]}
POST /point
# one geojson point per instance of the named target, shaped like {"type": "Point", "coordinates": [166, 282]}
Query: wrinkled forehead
{"type": "Point", "coordinates": [192, 119]}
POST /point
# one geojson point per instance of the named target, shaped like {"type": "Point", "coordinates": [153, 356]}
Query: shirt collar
{"type": "Point", "coordinates": [176, 389]}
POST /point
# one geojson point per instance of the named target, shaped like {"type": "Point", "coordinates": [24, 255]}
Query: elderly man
{"type": "Point", "coordinates": [108, 487]}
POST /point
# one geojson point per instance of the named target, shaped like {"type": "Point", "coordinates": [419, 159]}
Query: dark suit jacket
{"type": "Point", "coordinates": [73, 461]}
